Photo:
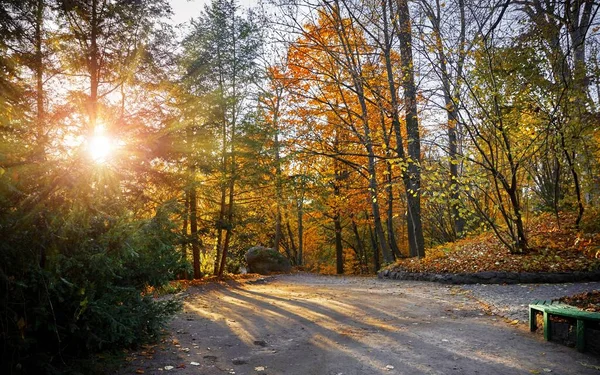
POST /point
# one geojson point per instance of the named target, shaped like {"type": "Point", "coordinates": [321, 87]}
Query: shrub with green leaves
{"type": "Point", "coordinates": [72, 282]}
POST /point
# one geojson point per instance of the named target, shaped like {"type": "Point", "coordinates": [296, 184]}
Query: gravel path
{"type": "Point", "coordinates": [511, 301]}
{"type": "Point", "coordinates": [317, 325]}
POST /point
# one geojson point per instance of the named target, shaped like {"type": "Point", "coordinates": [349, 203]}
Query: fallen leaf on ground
{"type": "Point", "coordinates": [589, 366]}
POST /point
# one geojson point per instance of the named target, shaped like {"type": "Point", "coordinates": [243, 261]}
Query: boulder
{"type": "Point", "coordinates": [263, 260]}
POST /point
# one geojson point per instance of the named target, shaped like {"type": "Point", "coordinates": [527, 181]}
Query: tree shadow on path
{"type": "Point", "coordinates": [374, 327]}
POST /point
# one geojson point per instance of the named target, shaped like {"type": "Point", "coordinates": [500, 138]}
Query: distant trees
{"type": "Point", "coordinates": [526, 87]}
{"type": "Point", "coordinates": [562, 31]}
{"type": "Point", "coordinates": [515, 111]}
{"type": "Point", "coordinates": [340, 61]}
{"type": "Point", "coordinates": [219, 66]}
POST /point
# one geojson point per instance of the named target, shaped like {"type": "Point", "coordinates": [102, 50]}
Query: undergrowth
{"type": "Point", "coordinates": [72, 286]}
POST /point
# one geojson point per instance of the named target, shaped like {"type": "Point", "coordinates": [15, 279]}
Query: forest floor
{"type": "Point", "coordinates": [326, 325]}
{"type": "Point", "coordinates": [554, 246]}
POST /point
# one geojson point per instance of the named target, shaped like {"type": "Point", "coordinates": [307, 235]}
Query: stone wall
{"type": "Point", "coordinates": [493, 277]}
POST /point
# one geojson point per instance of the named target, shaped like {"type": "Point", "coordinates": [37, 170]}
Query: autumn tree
{"type": "Point", "coordinates": [391, 34]}
{"type": "Point", "coordinates": [334, 51]}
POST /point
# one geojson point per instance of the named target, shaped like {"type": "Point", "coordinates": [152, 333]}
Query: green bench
{"type": "Point", "coordinates": [560, 309]}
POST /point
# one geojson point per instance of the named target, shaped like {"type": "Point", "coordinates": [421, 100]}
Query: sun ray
{"type": "Point", "coordinates": [100, 146]}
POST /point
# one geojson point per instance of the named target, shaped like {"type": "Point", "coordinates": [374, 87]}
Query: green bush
{"type": "Point", "coordinates": [72, 282]}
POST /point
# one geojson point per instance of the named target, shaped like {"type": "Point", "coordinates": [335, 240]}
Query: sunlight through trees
{"type": "Point", "coordinates": [344, 134]}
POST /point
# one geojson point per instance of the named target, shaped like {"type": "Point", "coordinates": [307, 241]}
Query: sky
{"type": "Point", "coordinates": [184, 10]}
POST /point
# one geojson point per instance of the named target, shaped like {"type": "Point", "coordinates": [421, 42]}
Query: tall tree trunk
{"type": "Point", "coordinates": [229, 224]}
{"type": "Point", "coordinates": [223, 201]}
{"type": "Point", "coordinates": [412, 179]}
{"type": "Point", "coordinates": [233, 169]}
{"type": "Point", "coordinates": [522, 243]}
{"type": "Point", "coordinates": [229, 228]}
{"type": "Point", "coordinates": [39, 77]}
{"type": "Point", "coordinates": [40, 152]}
{"type": "Point", "coordinates": [278, 180]}
{"type": "Point", "coordinates": [578, 24]}
{"type": "Point", "coordinates": [184, 229]}
{"type": "Point", "coordinates": [452, 123]}
{"type": "Point", "coordinates": [373, 189]}
{"type": "Point", "coordinates": [512, 189]}
{"type": "Point", "coordinates": [194, 229]}
{"type": "Point", "coordinates": [192, 209]}
{"type": "Point", "coordinates": [375, 247]}
{"type": "Point", "coordinates": [459, 221]}
{"type": "Point", "coordinates": [390, 217]}
{"type": "Point", "coordinates": [278, 231]}
{"type": "Point", "coordinates": [577, 17]}
{"type": "Point", "coordinates": [337, 217]}
{"type": "Point", "coordinates": [220, 226]}
{"type": "Point", "coordinates": [294, 251]}
{"type": "Point", "coordinates": [570, 162]}
{"type": "Point", "coordinates": [578, 21]}
{"type": "Point", "coordinates": [359, 244]}
{"type": "Point", "coordinates": [94, 68]}
{"type": "Point", "coordinates": [410, 173]}
{"type": "Point", "coordinates": [300, 218]}
{"type": "Point", "coordinates": [389, 189]}
{"type": "Point", "coordinates": [339, 249]}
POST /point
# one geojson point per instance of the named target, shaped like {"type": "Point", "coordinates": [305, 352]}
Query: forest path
{"type": "Point", "coordinates": [307, 324]}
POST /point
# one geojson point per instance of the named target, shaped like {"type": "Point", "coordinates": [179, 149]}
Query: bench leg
{"type": "Point", "coordinates": [532, 322]}
{"type": "Point", "coordinates": [580, 335]}
{"type": "Point", "coordinates": [547, 331]}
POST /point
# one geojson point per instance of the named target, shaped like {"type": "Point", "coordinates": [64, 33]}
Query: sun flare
{"type": "Point", "coordinates": [100, 146]}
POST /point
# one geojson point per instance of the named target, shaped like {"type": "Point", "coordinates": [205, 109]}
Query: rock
{"type": "Point", "coordinates": [264, 261]}
{"type": "Point", "coordinates": [486, 275]}
{"type": "Point", "coordinates": [262, 343]}
{"type": "Point", "coordinates": [240, 360]}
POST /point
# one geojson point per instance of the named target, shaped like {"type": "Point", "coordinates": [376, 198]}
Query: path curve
{"type": "Point", "coordinates": [324, 325]}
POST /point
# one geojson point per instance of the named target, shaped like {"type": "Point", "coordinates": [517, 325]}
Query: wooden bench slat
{"type": "Point", "coordinates": [567, 311]}
{"type": "Point", "coordinates": [560, 309]}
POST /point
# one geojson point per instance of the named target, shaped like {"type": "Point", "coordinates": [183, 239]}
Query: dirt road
{"type": "Point", "coordinates": [306, 324]}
